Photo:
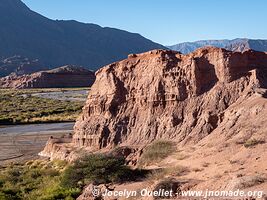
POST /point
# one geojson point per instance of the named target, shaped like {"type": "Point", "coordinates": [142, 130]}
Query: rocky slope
{"type": "Point", "coordinates": [240, 44]}
{"type": "Point", "coordinates": [167, 95]}
{"type": "Point", "coordinates": [66, 76]}
{"type": "Point", "coordinates": [19, 65]}
{"type": "Point", "coordinates": [57, 42]}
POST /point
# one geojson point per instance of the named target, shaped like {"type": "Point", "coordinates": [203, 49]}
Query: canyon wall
{"type": "Point", "coordinates": [163, 94]}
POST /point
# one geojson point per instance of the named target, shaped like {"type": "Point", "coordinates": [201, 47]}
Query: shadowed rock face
{"type": "Point", "coordinates": [58, 42]}
{"type": "Point", "coordinates": [67, 76]}
{"type": "Point", "coordinates": [19, 65]}
{"type": "Point", "coordinates": [164, 94]}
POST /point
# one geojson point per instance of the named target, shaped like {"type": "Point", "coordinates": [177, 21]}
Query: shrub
{"type": "Point", "coordinates": [244, 182]}
{"type": "Point", "coordinates": [253, 142]}
{"type": "Point", "coordinates": [167, 185]}
{"type": "Point", "coordinates": [160, 174]}
{"type": "Point", "coordinates": [97, 168]}
{"type": "Point", "coordinates": [156, 151]}
{"type": "Point", "coordinates": [178, 170]}
{"type": "Point", "coordinates": [13, 175]}
{"type": "Point", "coordinates": [157, 174]}
{"type": "Point", "coordinates": [34, 180]}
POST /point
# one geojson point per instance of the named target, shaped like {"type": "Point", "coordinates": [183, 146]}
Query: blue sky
{"type": "Point", "coordinates": [166, 21]}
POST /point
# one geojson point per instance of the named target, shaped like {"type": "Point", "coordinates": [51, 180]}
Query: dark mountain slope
{"type": "Point", "coordinates": [55, 43]}
{"type": "Point", "coordinates": [18, 65]}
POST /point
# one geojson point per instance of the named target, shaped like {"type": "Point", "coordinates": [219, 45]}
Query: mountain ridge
{"type": "Point", "coordinates": [238, 44]}
{"type": "Point", "coordinates": [59, 42]}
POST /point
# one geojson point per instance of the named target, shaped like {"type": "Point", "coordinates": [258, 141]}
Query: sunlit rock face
{"type": "Point", "coordinates": [163, 94]}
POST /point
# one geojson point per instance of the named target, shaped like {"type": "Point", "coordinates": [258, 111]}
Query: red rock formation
{"type": "Point", "coordinates": [164, 94]}
{"type": "Point", "coordinates": [67, 76]}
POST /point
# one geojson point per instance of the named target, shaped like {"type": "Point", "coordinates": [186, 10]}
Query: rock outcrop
{"type": "Point", "coordinates": [163, 94]}
{"type": "Point", "coordinates": [19, 65]}
{"type": "Point", "coordinates": [66, 76]}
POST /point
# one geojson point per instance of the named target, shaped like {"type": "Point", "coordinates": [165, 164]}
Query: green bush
{"type": "Point", "coordinates": [34, 180]}
{"type": "Point", "coordinates": [99, 169]}
{"type": "Point", "coordinates": [157, 151]}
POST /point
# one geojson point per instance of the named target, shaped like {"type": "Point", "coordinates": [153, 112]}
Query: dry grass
{"type": "Point", "coordinates": [157, 174]}
{"type": "Point", "coordinates": [248, 181]}
{"type": "Point", "coordinates": [253, 142]}
{"type": "Point", "coordinates": [181, 156]}
{"type": "Point", "coordinates": [197, 170]}
{"type": "Point", "coordinates": [205, 164]}
{"type": "Point", "coordinates": [19, 107]}
{"type": "Point", "coordinates": [177, 170]}
{"type": "Point", "coordinates": [162, 173]}
{"type": "Point", "coordinates": [157, 151]}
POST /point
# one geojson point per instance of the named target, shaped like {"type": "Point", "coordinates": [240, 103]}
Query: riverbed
{"type": "Point", "coordinates": [75, 95]}
{"type": "Point", "coordinates": [24, 142]}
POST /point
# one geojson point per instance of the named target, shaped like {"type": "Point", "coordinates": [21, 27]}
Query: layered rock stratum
{"type": "Point", "coordinates": [163, 94]}
{"type": "Point", "coordinates": [66, 76]}
{"type": "Point", "coordinates": [211, 103]}
{"type": "Point", "coordinates": [166, 95]}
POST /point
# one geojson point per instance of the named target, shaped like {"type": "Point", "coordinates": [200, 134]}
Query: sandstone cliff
{"type": "Point", "coordinates": [66, 76]}
{"type": "Point", "coordinates": [211, 103]}
{"type": "Point", "coordinates": [164, 94]}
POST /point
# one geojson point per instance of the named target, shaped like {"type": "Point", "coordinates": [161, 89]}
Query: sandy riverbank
{"type": "Point", "coordinates": [24, 142]}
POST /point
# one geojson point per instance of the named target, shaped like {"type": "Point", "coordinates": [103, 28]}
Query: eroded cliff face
{"type": "Point", "coordinates": [166, 95]}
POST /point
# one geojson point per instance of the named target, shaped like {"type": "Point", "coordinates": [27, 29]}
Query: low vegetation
{"type": "Point", "coordinates": [253, 142]}
{"type": "Point", "coordinates": [31, 181]}
{"type": "Point", "coordinates": [55, 180]}
{"type": "Point", "coordinates": [178, 170]}
{"type": "Point", "coordinates": [167, 185]}
{"type": "Point", "coordinates": [19, 106]}
{"type": "Point", "coordinates": [162, 173]}
{"type": "Point", "coordinates": [250, 181]}
{"type": "Point", "coordinates": [99, 169]}
{"type": "Point", "coordinates": [157, 151]}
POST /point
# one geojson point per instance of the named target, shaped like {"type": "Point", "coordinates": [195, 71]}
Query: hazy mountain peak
{"type": "Point", "coordinates": [238, 44]}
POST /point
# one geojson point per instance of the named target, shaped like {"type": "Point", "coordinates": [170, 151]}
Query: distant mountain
{"type": "Point", "coordinates": [240, 44]}
{"type": "Point", "coordinates": [56, 43]}
{"type": "Point", "coordinates": [19, 65]}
